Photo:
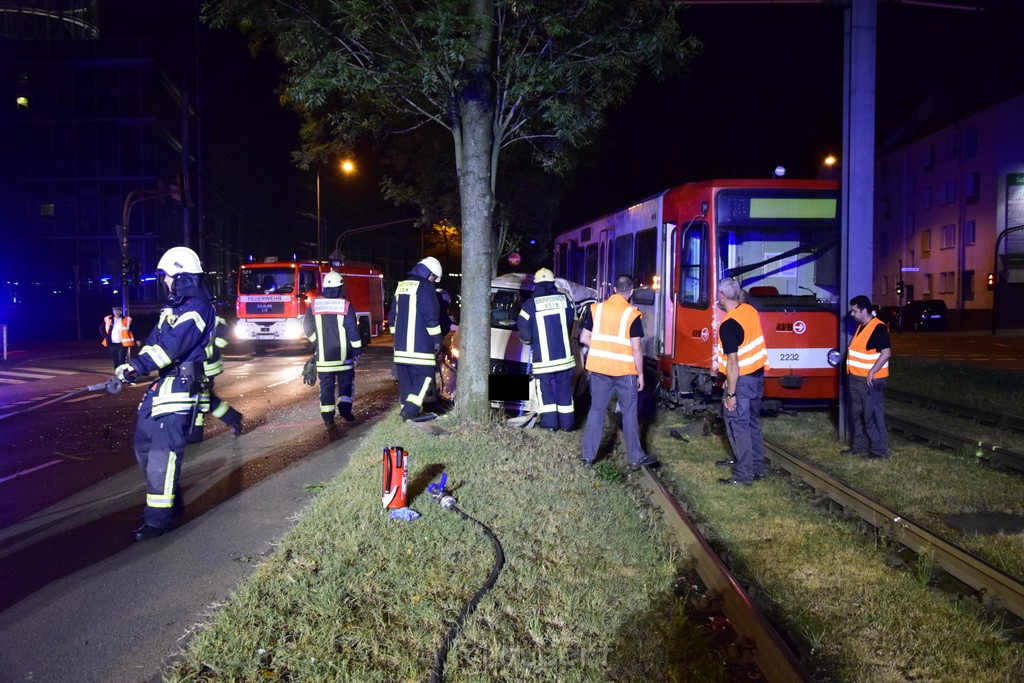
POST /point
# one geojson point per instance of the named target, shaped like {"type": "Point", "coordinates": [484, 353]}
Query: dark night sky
{"type": "Point", "coordinates": [766, 90]}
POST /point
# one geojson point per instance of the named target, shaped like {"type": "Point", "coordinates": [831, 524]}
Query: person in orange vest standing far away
{"type": "Point", "coordinates": [867, 368]}
{"type": "Point", "coordinates": [117, 335]}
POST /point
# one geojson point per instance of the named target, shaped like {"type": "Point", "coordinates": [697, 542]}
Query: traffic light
{"type": "Point", "coordinates": [899, 288]}
{"type": "Point", "coordinates": [991, 281]}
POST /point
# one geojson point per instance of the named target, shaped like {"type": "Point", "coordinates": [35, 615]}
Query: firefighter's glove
{"type": "Point", "coordinates": [309, 372]}
{"type": "Point", "coordinates": [126, 373]}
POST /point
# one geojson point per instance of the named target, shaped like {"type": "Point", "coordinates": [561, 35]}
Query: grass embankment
{"type": "Point", "coordinates": [588, 591]}
{"type": "Point", "coordinates": [831, 583]}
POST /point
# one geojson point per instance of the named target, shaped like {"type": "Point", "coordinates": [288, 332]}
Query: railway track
{"type": "Point", "coordinates": [992, 454]}
{"type": "Point", "coordinates": [993, 586]}
{"type": "Point", "coordinates": [769, 651]}
{"type": "Point", "coordinates": [1005, 421]}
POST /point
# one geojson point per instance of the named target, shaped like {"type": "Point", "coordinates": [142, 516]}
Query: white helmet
{"type": "Point", "coordinates": [332, 279]}
{"type": "Point", "coordinates": [179, 260]}
{"type": "Point", "coordinates": [544, 275]}
{"type": "Point", "coordinates": [434, 266]}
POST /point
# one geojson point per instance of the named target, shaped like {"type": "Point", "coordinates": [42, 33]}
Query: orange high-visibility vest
{"type": "Point", "coordinates": [611, 352]}
{"type": "Point", "coordinates": [753, 354]}
{"type": "Point", "coordinates": [859, 360]}
{"type": "Point", "coordinates": [127, 338]}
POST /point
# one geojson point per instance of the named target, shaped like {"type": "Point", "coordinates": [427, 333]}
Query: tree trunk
{"type": "Point", "coordinates": [474, 147]}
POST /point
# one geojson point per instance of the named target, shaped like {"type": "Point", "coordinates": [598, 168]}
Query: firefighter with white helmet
{"type": "Point", "coordinates": [330, 323]}
{"type": "Point", "coordinates": [545, 324]}
{"type": "Point", "coordinates": [414, 320]}
{"type": "Point", "coordinates": [176, 349]}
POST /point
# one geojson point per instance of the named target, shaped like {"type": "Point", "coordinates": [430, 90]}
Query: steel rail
{"type": "Point", "coordinates": [984, 450]}
{"type": "Point", "coordinates": [1014, 423]}
{"type": "Point", "coordinates": [771, 654]}
{"type": "Point", "coordinates": [995, 587]}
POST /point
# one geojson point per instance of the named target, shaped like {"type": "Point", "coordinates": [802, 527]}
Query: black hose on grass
{"type": "Point", "coordinates": [437, 671]}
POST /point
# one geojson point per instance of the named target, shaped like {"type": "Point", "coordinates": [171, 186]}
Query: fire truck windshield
{"type": "Point", "coordinates": [266, 281]}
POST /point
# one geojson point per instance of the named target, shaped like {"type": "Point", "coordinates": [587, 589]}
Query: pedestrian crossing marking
{"type": "Point", "coordinates": [29, 375]}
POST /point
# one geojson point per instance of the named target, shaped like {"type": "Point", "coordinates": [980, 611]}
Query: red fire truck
{"type": "Point", "coordinates": [274, 295]}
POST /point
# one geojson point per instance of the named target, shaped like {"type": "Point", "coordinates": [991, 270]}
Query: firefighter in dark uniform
{"type": "Point", "coordinates": [414, 320]}
{"type": "Point", "coordinates": [176, 348]}
{"type": "Point", "coordinates": [210, 402]}
{"type": "Point", "coordinates": [545, 323]}
{"type": "Point", "coordinates": [742, 358]}
{"type": "Point", "coordinates": [330, 323]}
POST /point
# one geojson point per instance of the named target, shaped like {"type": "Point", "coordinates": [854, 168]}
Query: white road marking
{"type": "Point", "coordinates": [35, 374]}
{"type": "Point", "coordinates": [29, 471]}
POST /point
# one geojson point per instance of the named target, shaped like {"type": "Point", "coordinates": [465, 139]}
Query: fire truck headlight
{"type": "Point", "coordinates": [241, 331]}
{"type": "Point", "coordinates": [833, 358]}
{"type": "Point", "coordinates": [292, 329]}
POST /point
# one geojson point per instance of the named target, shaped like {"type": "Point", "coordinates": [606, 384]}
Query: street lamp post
{"type": "Point", "coordinates": [347, 166]}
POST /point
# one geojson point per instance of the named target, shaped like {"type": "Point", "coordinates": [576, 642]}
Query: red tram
{"type": "Point", "coordinates": [779, 238]}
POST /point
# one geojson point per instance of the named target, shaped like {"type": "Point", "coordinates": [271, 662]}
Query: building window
{"type": "Point", "coordinates": [883, 244]}
{"type": "Point", "coordinates": [926, 198]}
{"type": "Point", "coordinates": [947, 282]}
{"type": "Point", "coordinates": [927, 285]}
{"type": "Point", "coordinates": [948, 236]}
{"type": "Point", "coordinates": [972, 189]}
{"type": "Point", "coordinates": [46, 209]}
{"type": "Point", "coordinates": [929, 158]}
{"type": "Point", "coordinates": [970, 142]}
{"type": "Point", "coordinates": [967, 282]}
{"type": "Point", "coordinates": [949, 146]}
{"type": "Point", "coordinates": [968, 233]}
{"type": "Point", "coordinates": [948, 192]}
{"type": "Point", "coordinates": [21, 101]}
{"type": "Point", "coordinates": [926, 243]}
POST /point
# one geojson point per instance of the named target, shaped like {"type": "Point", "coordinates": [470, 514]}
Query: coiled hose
{"type": "Point", "coordinates": [437, 671]}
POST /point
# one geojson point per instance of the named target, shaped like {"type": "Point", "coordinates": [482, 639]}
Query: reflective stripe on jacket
{"type": "Point", "coordinates": [213, 365]}
{"type": "Point", "coordinates": [545, 323]}
{"type": "Point", "coordinates": [859, 360]}
{"type": "Point", "coordinates": [127, 338]}
{"type": "Point", "coordinates": [415, 321]}
{"type": "Point", "coordinates": [752, 354]}
{"type": "Point", "coordinates": [611, 351]}
{"type": "Point", "coordinates": [331, 325]}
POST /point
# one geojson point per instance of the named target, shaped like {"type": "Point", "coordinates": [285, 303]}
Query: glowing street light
{"type": "Point", "coordinates": [830, 160]}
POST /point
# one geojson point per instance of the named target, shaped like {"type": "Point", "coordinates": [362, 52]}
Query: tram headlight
{"type": "Point", "coordinates": [833, 358]}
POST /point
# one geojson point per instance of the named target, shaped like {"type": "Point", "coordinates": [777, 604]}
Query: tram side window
{"type": "Point", "coordinates": [590, 266]}
{"type": "Point", "coordinates": [623, 255]}
{"type": "Point", "coordinates": [692, 273]}
{"type": "Point", "coordinates": [646, 266]}
{"type": "Point", "coordinates": [562, 260]}
{"type": "Point", "coordinates": [576, 262]}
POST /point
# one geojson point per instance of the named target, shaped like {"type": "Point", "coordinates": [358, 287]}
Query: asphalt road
{"type": "Point", "coordinates": [79, 601]}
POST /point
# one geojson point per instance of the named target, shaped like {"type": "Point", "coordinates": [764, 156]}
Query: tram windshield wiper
{"type": "Point", "coordinates": [810, 249]}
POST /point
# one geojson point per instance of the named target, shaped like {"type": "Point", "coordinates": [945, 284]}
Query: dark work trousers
{"type": "Point", "coordinates": [414, 382]}
{"type": "Point", "coordinates": [601, 389]}
{"type": "Point", "coordinates": [160, 451]}
{"type": "Point", "coordinates": [743, 426]}
{"type": "Point", "coordinates": [556, 409]}
{"type": "Point", "coordinates": [867, 416]}
{"type": "Point", "coordinates": [119, 354]}
{"type": "Point", "coordinates": [342, 382]}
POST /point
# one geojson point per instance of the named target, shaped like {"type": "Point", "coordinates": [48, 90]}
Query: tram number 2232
{"type": "Point", "coordinates": [791, 357]}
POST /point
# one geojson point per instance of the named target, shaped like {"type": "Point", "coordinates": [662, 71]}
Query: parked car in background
{"type": "Point", "coordinates": [890, 315]}
{"type": "Point", "coordinates": [925, 316]}
{"type": "Point", "coordinates": [510, 384]}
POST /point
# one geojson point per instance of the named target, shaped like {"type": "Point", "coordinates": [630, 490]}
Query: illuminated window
{"type": "Point", "coordinates": [926, 244]}
{"type": "Point", "coordinates": [46, 209]}
{"type": "Point", "coordinates": [928, 284]}
{"type": "Point", "coordinates": [22, 102]}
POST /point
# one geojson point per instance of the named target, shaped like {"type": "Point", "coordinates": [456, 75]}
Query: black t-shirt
{"type": "Point", "coordinates": [635, 330]}
{"type": "Point", "coordinates": [731, 334]}
{"type": "Point", "coordinates": [879, 339]}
